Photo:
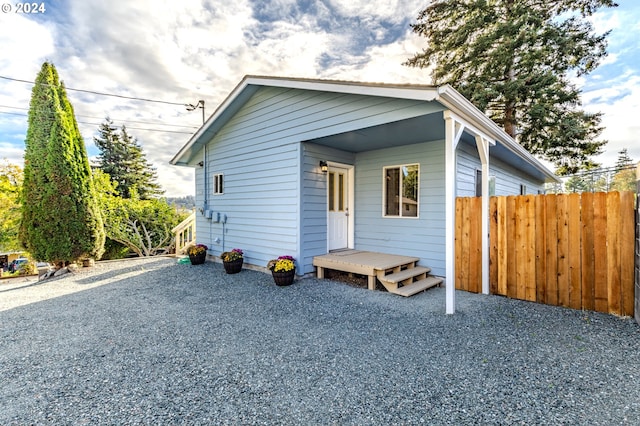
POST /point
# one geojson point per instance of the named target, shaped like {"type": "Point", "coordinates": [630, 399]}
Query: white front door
{"type": "Point", "coordinates": [338, 207]}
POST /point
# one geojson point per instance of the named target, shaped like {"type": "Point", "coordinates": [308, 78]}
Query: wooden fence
{"type": "Point", "coordinates": [573, 250]}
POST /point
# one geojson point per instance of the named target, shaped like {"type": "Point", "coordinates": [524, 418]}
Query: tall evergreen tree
{"type": "Point", "coordinates": [61, 221]}
{"type": "Point", "coordinates": [513, 59]}
{"type": "Point", "coordinates": [122, 158]}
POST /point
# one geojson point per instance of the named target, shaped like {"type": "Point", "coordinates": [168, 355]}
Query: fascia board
{"type": "Point", "coordinates": [461, 106]}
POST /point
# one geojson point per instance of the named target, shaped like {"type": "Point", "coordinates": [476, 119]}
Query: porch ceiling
{"type": "Point", "coordinates": [404, 132]}
{"type": "Point", "coordinates": [425, 128]}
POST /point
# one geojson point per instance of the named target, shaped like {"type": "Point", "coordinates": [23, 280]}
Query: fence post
{"type": "Point", "coordinates": [637, 248]}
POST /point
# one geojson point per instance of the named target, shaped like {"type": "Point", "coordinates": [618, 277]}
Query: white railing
{"type": "Point", "coordinates": [185, 233]}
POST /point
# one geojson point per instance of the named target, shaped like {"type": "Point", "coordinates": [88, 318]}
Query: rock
{"type": "Point", "coordinates": [61, 271]}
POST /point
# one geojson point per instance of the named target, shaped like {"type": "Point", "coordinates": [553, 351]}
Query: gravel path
{"type": "Point", "coordinates": [154, 342]}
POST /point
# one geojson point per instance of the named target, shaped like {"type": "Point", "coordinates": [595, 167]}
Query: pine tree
{"type": "Point", "coordinates": [122, 158]}
{"type": "Point", "coordinates": [625, 177]}
{"type": "Point", "coordinates": [61, 221]}
{"type": "Point", "coordinates": [513, 59]}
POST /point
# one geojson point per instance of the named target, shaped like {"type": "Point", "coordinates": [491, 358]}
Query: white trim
{"type": "Point", "coordinates": [351, 188]}
{"type": "Point", "coordinates": [483, 151]}
{"type": "Point", "coordinates": [450, 219]}
{"type": "Point", "coordinates": [217, 184]}
{"type": "Point", "coordinates": [384, 193]}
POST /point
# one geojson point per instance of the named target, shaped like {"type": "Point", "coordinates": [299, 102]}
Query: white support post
{"type": "Point", "coordinates": [453, 132]}
{"type": "Point", "coordinates": [483, 151]}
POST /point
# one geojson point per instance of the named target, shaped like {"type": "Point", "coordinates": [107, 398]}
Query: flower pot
{"type": "Point", "coordinates": [198, 259]}
{"type": "Point", "coordinates": [233, 267]}
{"type": "Point", "coordinates": [283, 278]}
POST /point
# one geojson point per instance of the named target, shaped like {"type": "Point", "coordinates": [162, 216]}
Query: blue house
{"type": "Point", "coordinates": [306, 167]}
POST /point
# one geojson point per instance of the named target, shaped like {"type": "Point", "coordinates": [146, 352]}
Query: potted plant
{"type": "Point", "coordinates": [232, 261]}
{"type": "Point", "coordinates": [197, 253]}
{"type": "Point", "coordinates": [283, 270]}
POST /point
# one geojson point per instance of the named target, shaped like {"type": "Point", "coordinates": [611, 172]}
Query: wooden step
{"type": "Point", "coordinates": [418, 286]}
{"type": "Point", "coordinates": [397, 277]}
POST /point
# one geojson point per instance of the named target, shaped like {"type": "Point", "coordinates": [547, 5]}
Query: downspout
{"type": "Point", "coordinates": [204, 171]}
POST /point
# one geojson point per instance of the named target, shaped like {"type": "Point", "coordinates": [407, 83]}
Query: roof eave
{"type": "Point", "coordinates": [451, 98]}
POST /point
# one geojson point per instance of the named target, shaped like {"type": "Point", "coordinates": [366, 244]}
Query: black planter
{"type": "Point", "coordinates": [198, 259]}
{"type": "Point", "coordinates": [283, 278]}
{"type": "Point", "coordinates": [233, 267]}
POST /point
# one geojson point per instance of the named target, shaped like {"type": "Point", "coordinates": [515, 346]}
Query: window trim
{"type": "Point", "coordinates": [384, 192]}
{"type": "Point", "coordinates": [218, 183]}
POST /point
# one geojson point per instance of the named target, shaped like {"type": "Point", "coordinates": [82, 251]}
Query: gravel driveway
{"type": "Point", "coordinates": [154, 342]}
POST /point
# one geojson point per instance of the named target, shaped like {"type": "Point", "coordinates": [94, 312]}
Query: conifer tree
{"type": "Point", "coordinates": [122, 158]}
{"type": "Point", "coordinates": [513, 59]}
{"type": "Point", "coordinates": [61, 221]}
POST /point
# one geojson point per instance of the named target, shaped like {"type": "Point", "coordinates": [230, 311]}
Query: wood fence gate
{"type": "Point", "coordinates": [573, 250]}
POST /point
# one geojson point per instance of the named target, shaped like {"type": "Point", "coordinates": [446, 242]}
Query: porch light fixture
{"type": "Point", "coordinates": [323, 166]}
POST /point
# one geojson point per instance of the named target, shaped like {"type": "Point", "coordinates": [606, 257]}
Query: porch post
{"type": "Point", "coordinates": [453, 131]}
{"type": "Point", "coordinates": [483, 151]}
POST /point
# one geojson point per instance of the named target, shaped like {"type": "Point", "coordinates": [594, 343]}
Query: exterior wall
{"type": "Point", "coordinates": [508, 179]}
{"type": "Point", "coordinates": [313, 218]}
{"type": "Point", "coordinates": [423, 236]}
{"type": "Point", "coordinates": [260, 154]}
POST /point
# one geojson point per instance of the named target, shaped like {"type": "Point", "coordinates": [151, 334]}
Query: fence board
{"type": "Point", "coordinates": [512, 290]}
{"type": "Point", "coordinates": [551, 242]}
{"type": "Point", "coordinates": [460, 243]}
{"type": "Point", "coordinates": [600, 251]}
{"type": "Point", "coordinates": [587, 260]}
{"type": "Point", "coordinates": [627, 258]}
{"type": "Point", "coordinates": [563, 250]}
{"type": "Point", "coordinates": [502, 263]}
{"type": "Point", "coordinates": [613, 252]}
{"type": "Point", "coordinates": [569, 250]}
{"type": "Point", "coordinates": [475, 248]}
{"type": "Point", "coordinates": [575, 254]}
{"type": "Point", "coordinates": [493, 245]}
{"type": "Point", "coordinates": [541, 250]}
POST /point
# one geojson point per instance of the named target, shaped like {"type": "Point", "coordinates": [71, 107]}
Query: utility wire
{"type": "Point", "coordinates": [101, 118]}
{"type": "Point", "coordinates": [97, 124]}
{"type": "Point", "coordinates": [99, 93]}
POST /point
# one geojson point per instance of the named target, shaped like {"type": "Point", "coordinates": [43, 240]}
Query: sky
{"type": "Point", "coordinates": [179, 52]}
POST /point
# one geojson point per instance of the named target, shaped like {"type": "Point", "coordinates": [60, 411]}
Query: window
{"type": "Point", "coordinates": [401, 190]}
{"type": "Point", "coordinates": [492, 184]}
{"type": "Point", "coordinates": [218, 181]}
{"type": "Point", "coordinates": [523, 189]}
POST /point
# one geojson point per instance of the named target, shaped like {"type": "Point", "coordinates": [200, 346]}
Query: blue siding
{"type": "Point", "coordinates": [314, 194]}
{"type": "Point", "coordinates": [508, 179]}
{"type": "Point", "coordinates": [422, 237]}
{"type": "Point", "coordinates": [268, 172]}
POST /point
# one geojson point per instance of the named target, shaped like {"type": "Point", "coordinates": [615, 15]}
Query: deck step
{"type": "Point", "coordinates": [418, 286]}
{"type": "Point", "coordinates": [405, 274]}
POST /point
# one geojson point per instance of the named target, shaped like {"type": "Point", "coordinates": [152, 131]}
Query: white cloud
{"type": "Point", "coordinates": [192, 49]}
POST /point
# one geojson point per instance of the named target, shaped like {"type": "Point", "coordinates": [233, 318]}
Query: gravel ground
{"type": "Point", "coordinates": [155, 342]}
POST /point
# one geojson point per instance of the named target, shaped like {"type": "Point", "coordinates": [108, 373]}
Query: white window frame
{"type": "Point", "coordinates": [384, 192]}
{"type": "Point", "coordinates": [218, 184]}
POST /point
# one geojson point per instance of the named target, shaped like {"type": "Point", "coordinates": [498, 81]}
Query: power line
{"type": "Point", "coordinates": [101, 118]}
{"type": "Point", "coordinates": [97, 124]}
{"type": "Point", "coordinates": [99, 93]}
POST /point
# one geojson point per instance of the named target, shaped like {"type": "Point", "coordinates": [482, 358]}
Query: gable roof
{"type": "Point", "coordinates": [445, 95]}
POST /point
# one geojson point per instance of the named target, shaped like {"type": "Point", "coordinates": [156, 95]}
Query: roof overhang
{"type": "Point", "coordinates": [445, 95]}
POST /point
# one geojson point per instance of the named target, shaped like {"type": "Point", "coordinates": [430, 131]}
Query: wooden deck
{"type": "Point", "coordinates": [399, 274]}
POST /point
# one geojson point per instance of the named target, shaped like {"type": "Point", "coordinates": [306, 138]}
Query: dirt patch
{"type": "Point", "coordinates": [351, 279]}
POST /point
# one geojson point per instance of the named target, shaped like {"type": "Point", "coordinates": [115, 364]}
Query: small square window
{"type": "Point", "coordinates": [218, 182]}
